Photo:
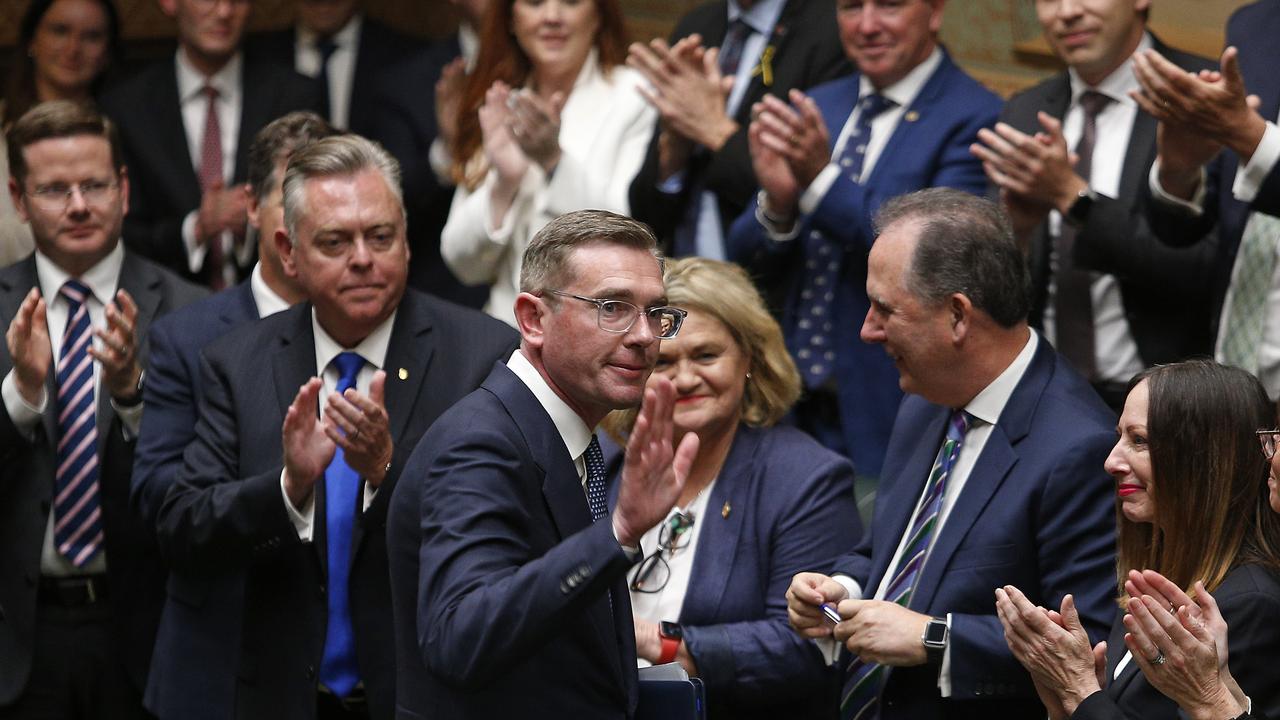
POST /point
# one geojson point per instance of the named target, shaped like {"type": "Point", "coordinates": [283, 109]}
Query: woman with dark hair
{"type": "Point", "coordinates": [762, 502]}
{"type": "Point", "coordinates": [63, 51]}
{"type": "Point", "coordinates": [1193, 505]}
{"type": "Point", "coordinates": [550, 121]}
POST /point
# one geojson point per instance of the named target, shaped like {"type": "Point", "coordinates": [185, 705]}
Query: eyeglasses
{"type": "Point", "coordinates": [618, 316]}
{"type": "Point", "coordinates": [57, 196]}
{"type": "Point", "coordinates": [653, 573]}
{"type": "Point", "coordinates": [1269, 440]}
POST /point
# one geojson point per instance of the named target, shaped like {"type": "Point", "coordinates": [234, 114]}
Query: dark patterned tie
{"type": "Point", "coordinates": [1073, 301]}
{"type": "Point", "coordinates": [731, 49]}
{"type": "Point", "coordinates": [326, 47]}
{"type": "Point", "coordinates": [211, 173]}
{"type": "Point", "coordinates": [866, 679]}
{"type": "Point", "coordinates": [77, 528]}
{"type": "Point", "coordinates": [338, 670]}
{"type": "Point", "coordinates": [811, 341]}
{"type": "Point", "coordinates": [596, 492]}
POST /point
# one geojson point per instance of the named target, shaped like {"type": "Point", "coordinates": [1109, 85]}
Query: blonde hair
{"type": "Point", "coordinates": [723, 291]}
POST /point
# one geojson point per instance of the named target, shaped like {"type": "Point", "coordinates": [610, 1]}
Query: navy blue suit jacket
{"type": "Point", "coordinates": [509, 601]}
{"type": "Point", "coordinates": [1252, 30]}
{"type": "Point", "coordinates": [172, 390]}
{"type": "Point", "coordinates": [243, 629]}
{"type": "Point", "coordinates": [929, 148]}
{"type": "Point", "coordinates": [783, 504]}
{"type": "Point", "coordinates": [1037, 512]}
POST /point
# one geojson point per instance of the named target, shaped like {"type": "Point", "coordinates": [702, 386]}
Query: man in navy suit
{"type": "Point", "coordinates": [278, 597]}
{"type": "Point", "coordinates": [1218, 176]}
{"type": "Point", "coordinates": [994, 475]}
{"type": "Point", "coordinates": [903, 122]}
{"type": "Point", "coordinates": [173, 370]}
{"type": "Point", "coordinates": [509, 571]}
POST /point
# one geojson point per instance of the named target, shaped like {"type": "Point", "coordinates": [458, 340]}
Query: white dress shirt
{"type": "Point", "coordinates": [342, 65]}
{"type": "Point", "coordinates": [1115, 352]}
{"type": "Point", "coordinates": [986, 408]}
{"type": "Point", "coordinates": [195, 108]}
{"type": "Point", "coordinates": [374, 351]}
{"type": "Point", "coordinates": [102, 280]}
{"type": "Point", "coordinates": [268, 301]}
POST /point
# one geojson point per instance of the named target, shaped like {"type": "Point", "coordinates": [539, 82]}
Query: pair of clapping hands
{"type": "Point", "coordinates": [1180, 644]}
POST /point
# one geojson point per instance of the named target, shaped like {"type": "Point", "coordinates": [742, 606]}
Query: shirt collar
{"type": "Point", "coordinates": [760, 17]}
{"type": "Point", "coordinates": [267, 300]}
{"type": "Point", "coordinates": [573, 431]}
{"type": "Point", "coordinates": [347, 37]}
{"type": "Point", "coordinates": [904, 92]}
{"type": "Point", "coordinates": [1117, 85]}
{"type": "Point", "coordinates": [373, 348]}
{"type": "Point", "coordinates": [192, 81]}
{"type": "Point", "coordinates": [988, 404]}
{"type": "Point", "coordinates": [102, 279]}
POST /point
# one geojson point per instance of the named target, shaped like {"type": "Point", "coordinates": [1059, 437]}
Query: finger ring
{"type": "Point", "coordinates": [356, 434]}
{"type": "Point", "coordinates": [794, 139]}
{"type": "Point", "coordinates": [1159, 659]}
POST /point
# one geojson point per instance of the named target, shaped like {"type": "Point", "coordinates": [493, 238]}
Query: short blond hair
{"type": "Point", "coordinates": [723, 291]}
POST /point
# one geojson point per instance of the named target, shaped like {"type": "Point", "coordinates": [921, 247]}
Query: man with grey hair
{"type": "Point", "coordinates": [993, 476]}
{"type": "Point", "coordinates": [509, 585]}
{"type": "Point", "coordinates": [279, 600]}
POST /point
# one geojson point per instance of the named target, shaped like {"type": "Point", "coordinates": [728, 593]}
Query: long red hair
{"type": "Point", "coordinates": [502, 58]}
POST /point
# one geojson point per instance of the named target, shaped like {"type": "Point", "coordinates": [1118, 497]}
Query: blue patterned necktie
{"type": "Point", "coordinates": [77, 528]}
{"type": "Point", "coordinates": [338, 670]}
{"type": "Point", "coordinates": [596, 493]}
{"type": "Point", "coordinates": [866, 679]}
{"type": "Point", "coordinates": [811, 341]}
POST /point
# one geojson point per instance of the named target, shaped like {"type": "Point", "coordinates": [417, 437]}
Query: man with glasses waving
{"type": "Point", "coordinates": [508, 569]}
{"type": "Point", "coordinates": [80, 587]}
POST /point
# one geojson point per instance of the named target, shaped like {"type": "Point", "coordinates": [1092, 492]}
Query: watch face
{"type": "Point", "coordinates": [671, 630]}
{"type": "Point", "coordinates": [936, 632]}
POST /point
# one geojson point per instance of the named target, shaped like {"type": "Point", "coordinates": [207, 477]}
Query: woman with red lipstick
{"type": "Point", "coordinates": [762, 503]}
{"type": "Point", "coordinates": [63, 51]}
{"type": "Point", "coordinates": [1193, 506]}
{"type": "Point", "coordinates": [550, 121]}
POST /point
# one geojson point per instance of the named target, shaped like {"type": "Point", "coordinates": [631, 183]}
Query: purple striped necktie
{"type": "Point", "coordinates": [77, 528]}
{"type": "Point", "coordinates": [861, 696]}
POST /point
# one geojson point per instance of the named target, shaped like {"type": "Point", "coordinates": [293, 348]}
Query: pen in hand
{"type": "Point", "coordinates": [829, 612]}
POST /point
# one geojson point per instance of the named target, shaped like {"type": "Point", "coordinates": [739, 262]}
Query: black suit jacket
{"type": "Point", "coordinates": [378, 50]}
{"type": "Point", "coordinates": [502, 583]}
{"type": "Point", "coordinates": [26, 494]}
{"type": "Point", "coordinates": [244, 625]}
{"type": "Point", "coordinates": [1249, 599]}
{"type": "Point", "coordinates": [163, 185]}
{"type": "Point", "coordinates": [1165, 290]}
{"type": "Point", "coordinates": [807, 52]}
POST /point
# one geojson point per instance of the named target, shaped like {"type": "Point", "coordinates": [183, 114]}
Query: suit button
{"type": "Point", "coordinates": [584, 571]}
{"type": "Point", "coordinates": [311, 672]}
{"type": "Point", "coordinates": [564, 587]}
{"type": "Point", "coordinates": [321, 590]}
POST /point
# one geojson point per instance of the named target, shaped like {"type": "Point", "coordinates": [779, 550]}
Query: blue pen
{"type": "Point", "coordinates": [829, 611]}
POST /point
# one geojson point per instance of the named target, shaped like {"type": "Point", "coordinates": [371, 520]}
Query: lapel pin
{"type": "Point", "coordinates": [724, 511]}
{"type": "Point", "coordinates": [912, 116]}
{"type": "Point", "coordinates": [403, 374]}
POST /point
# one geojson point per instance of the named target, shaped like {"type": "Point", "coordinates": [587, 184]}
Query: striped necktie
{"type": "Point", "coordinates": [1243, 323]}
{"type": "Point", "coordinates": [861, 695]}
{"type": "Point", "coordinates": [77, 528]}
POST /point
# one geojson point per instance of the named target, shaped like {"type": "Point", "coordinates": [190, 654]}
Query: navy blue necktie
{"type": "Point", "coordinates": [811, 341]}
{"type": "Point", "coordinates": [77, 528]}
{"type": "Point", "coordinates": [596, 493]}
{"type": "Point", "coordinates": [326, 47]}
{"type": "Point", "coordinates": [338, 670]}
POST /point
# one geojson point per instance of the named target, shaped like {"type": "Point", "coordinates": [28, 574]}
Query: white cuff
{"type": "Point", "coordinates": [441, 162]}
{"type": "Point", "coordinates": [303, 519]}
{"type": "Point", "coordinates": [944, 674]}
{"type": "Point", "coordinates": [130, 418]}
{"type": "Point", "coordinates": [1251, 176]}
{"type": "Point", "coordinates": [771, 228]}
{"type": "Point", "coordinates": [1193, 207]}
{"type": "Point", "coordinates": [22, 414]}
{"type": "Point", "coordinates": [195, 251]}
{"type": "Point", "coordinates": [812, 195]}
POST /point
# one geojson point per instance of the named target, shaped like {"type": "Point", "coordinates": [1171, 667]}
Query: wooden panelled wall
{"type": "Point", "coordinates": [996, 40]}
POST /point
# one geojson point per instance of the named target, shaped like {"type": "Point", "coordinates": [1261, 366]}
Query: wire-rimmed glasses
{"type": "Point", "coordinates": [57, 196]}
{"type": "Point", "coordinates": [1269, 440]}
{"type": "Point", "coordinates": [653, 572]}
{"type": "Point", "coordinates": [618, 316]}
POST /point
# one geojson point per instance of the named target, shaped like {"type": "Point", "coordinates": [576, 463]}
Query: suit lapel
{"type": "Point", "coordinates": [903, 142]}
{"type": "Point", "coordinates": [900, 501]}
{"type": "Point", "coordinates": [255, 113]}
{"type": "Point", "coordinates": [1116, 650]}
{"type": "Point", "coordinates": [718, 540]}
{"type": "Point", "coordinates": [26, 278]}
{"type": "Point", "coordinates": [293, 362]}
{"type": "Point", "coordinates": [142, 283]}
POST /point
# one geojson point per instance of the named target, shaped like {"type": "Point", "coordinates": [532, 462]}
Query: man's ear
{"type": "Point", "coordinates": [961, 310]}
{"type": "Point", "coordinates": [284, 248]}
{"type": "Point", "coordinates": [15, 194]}
{"type": "Point", "coordinates": [531, 315]}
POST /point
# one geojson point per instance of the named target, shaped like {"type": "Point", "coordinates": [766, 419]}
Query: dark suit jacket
{"type": "Point", "coordinates": [26, 494]}
{"type": "Point", "coordinates": [406, 127]}
{"type": "Point", "coordinates": [172, 390]}
{"type": "Point", "coordinates": [1252, 29]}
{"type": "Point", "coordinates": [378, 50]}
{"type": "Point", "coordinates": [807, 52]}
{"type": "Point", "coordinates": [509, 601]}
{"type": "Point", "coordinates": [1037, 512]}
{"type": "Point", "coordinates": [163, 184]}
{"type": "Point", "coordinates": [244, 624]}
{"type": "Point", "coordinates": [930, 151]}
{"type": "Point", "coordinates": [790, 509]}
{"type": "Point", "coordinates": [1249, 599]}
{"type": "Point", "coordinates": [1165, 290]}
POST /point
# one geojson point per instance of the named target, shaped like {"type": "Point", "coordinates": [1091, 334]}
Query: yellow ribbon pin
{"type": "Point", "coordinates": [764, 69]}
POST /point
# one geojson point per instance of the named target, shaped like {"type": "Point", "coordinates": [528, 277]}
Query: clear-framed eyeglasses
{"type": "Point", "coordinates": [1270, 439]}
{"type": "Point", "coordinates": [618, 316]}
{"type": "Point", "coordinates": [653, 572]}
{"type": "Point", "coordinates": [57, 196]}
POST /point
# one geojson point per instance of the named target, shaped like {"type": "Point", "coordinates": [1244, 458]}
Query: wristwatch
{"type": "Point", "coordinates": [136, 399]}
{"type": "Point", "coordinates": [1078, 213]}
{"type": "Point", "coordinates": [935, 637]}
{"type": "Point", "coordinates": [672, 635]}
